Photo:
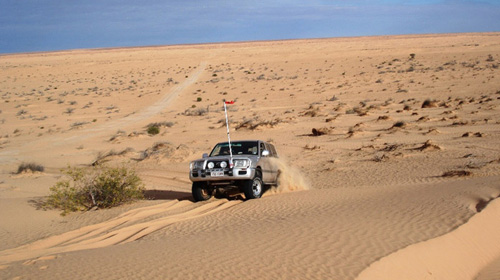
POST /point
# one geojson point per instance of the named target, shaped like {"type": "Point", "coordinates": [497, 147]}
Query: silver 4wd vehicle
{"type": "Point", "coordinates": [250, 170]}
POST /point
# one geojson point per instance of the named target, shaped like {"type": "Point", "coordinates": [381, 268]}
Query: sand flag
{"type": "Point", "coordinates": [228, 137]}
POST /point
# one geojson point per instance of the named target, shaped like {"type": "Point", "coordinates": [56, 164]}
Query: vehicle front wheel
{"type": "Point", "coordinates": [253, 188]}
{"type": "Point", "coordinates": [201, 191]}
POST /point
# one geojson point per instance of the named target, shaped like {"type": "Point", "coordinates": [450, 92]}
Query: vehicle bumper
{"type": "Point", "coordinates": [229, 175]}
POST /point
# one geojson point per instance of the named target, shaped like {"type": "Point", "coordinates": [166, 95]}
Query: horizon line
{"type": "Point", "coordinates": [244, 42]}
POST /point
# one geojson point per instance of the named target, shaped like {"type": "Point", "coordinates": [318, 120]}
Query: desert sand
{"type": "Point", "coordinates": [391, 147]}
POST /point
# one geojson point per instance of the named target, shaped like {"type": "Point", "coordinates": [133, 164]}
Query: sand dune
{"type": "Point", "coordinates": [389, 147]}
{"type": "Point", "coordinates": [460, 254]}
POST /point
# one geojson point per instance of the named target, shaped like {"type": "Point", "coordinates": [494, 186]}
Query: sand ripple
{"type": "Point", "coordinates": [126, 228]}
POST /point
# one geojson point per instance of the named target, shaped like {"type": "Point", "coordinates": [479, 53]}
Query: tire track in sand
{"type": "Point", "coordinates": [127, 227]}
{"type": "Point", "coordinates": [45, 145]}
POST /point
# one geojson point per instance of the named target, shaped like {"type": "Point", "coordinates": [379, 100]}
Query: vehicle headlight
{"type": "Point", "coordinates": [241, 163]}
{"type": "Point", "coordinates": [210, 165]}
{"type": "Point", "coordinates": [195, 165]}
{"type": "Point", "coordinates": [223, 164]}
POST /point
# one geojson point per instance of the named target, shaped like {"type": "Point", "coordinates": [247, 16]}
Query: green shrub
{"type": "Point", "coordinates": [153, 129]}
{"type": "Point", "coordinates": [97, 187]}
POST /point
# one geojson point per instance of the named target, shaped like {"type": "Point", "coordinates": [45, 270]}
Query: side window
{"type": "Point", "coordinates": [273, 151]}
{"type": "Point", "coordinates": [267, 148]}
{"type": "Point", "coordinates": [262, 147]}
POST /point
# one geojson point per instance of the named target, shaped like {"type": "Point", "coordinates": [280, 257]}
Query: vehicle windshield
{"type": "Point", "coordinates": [239, 148]}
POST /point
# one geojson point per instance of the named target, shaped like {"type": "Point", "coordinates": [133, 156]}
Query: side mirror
{"type": "Point", "coordinates": [205, 155]}
{"type": "Point", "coordinates": [265, 153]}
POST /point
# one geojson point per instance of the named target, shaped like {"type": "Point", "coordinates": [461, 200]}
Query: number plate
{"type": "Point", "coordinates": [217, 173]}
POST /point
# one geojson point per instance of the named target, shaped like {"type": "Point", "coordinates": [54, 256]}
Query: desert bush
{"type": "Point", "coordinates": [31, 166]}
{"type": "Point", "coordinates": [98, 187]}
{"type": "Point", "coordinates": [196, 112]}
{"type": "Point", "coordinates": [153, 129]}
{"type": "Point", "coordinates": [160, 124]}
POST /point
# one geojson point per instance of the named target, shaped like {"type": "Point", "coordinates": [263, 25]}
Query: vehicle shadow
{"type": "Point", "coordinates": [171, 195]}
{"type": "Point", "coordinates": [167, 195]}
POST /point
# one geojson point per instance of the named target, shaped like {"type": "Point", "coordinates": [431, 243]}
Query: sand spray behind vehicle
{"type": "Point", "coordinates": [290, 178]}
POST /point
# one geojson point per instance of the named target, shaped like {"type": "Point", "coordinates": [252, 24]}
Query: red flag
{"type": "Point", "coordinates": [230, 102]}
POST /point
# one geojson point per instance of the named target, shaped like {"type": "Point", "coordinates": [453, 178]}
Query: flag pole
{"type": "Point", "coordinates": [228, 136]}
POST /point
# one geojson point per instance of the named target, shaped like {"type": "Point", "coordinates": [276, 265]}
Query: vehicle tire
{"type": "Point", "coordinates": [201, 191]}
{"type": "Point", "coordinates": [253, 188]}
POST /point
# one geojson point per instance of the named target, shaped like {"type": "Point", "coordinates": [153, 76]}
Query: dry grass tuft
{"type": "Point", "coordinates": [424, 119]}
{"type": "Point", "coordinates": [380, 158]}
{"type": "Point", "coordinates": [432, 131]}
{"type": "Point", "coordinates": [256, 124]}
{"type": "Point", "coordinates": [321, 131]}
{"type": "Point", "coordinates": [430, 103]}
{"type": "Point", "coordinates": [312, 111]}
{"type": "Point", "coordinates": [311, 148]}
{"type": "Point", "coordinates": [429, 146]}
{"type": "Point", "coordinates": [456, 173]}
{"type": "Point", "coordinates": [469, 134]}
{"type": "Point", "coordinates": [105, 157]}
{"type": "Point", "coordinates": [399, 124]}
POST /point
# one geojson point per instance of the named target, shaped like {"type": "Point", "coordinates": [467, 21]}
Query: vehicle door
{"type": "Point", "coordinates": [265, 164]}
{"type": "Point", "coordinates": [273, 160]}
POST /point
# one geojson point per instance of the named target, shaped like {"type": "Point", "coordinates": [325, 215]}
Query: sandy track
{"type": "Point", "coordinates": [125, 228]}
{"type": "Point", "coordinates": [47, 145]}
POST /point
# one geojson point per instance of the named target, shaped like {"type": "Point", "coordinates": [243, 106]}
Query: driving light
{"type": "Point", "coordinates": [223, 164]}
{"type": "Point", "coordinates": [210, 165]}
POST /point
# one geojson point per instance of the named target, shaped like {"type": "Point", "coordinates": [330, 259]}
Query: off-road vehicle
{"type": "Point", "coordinates": [242, 167]}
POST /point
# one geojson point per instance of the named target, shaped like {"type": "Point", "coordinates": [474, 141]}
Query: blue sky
{"type": "Point", "coordinates": [46, 25]}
